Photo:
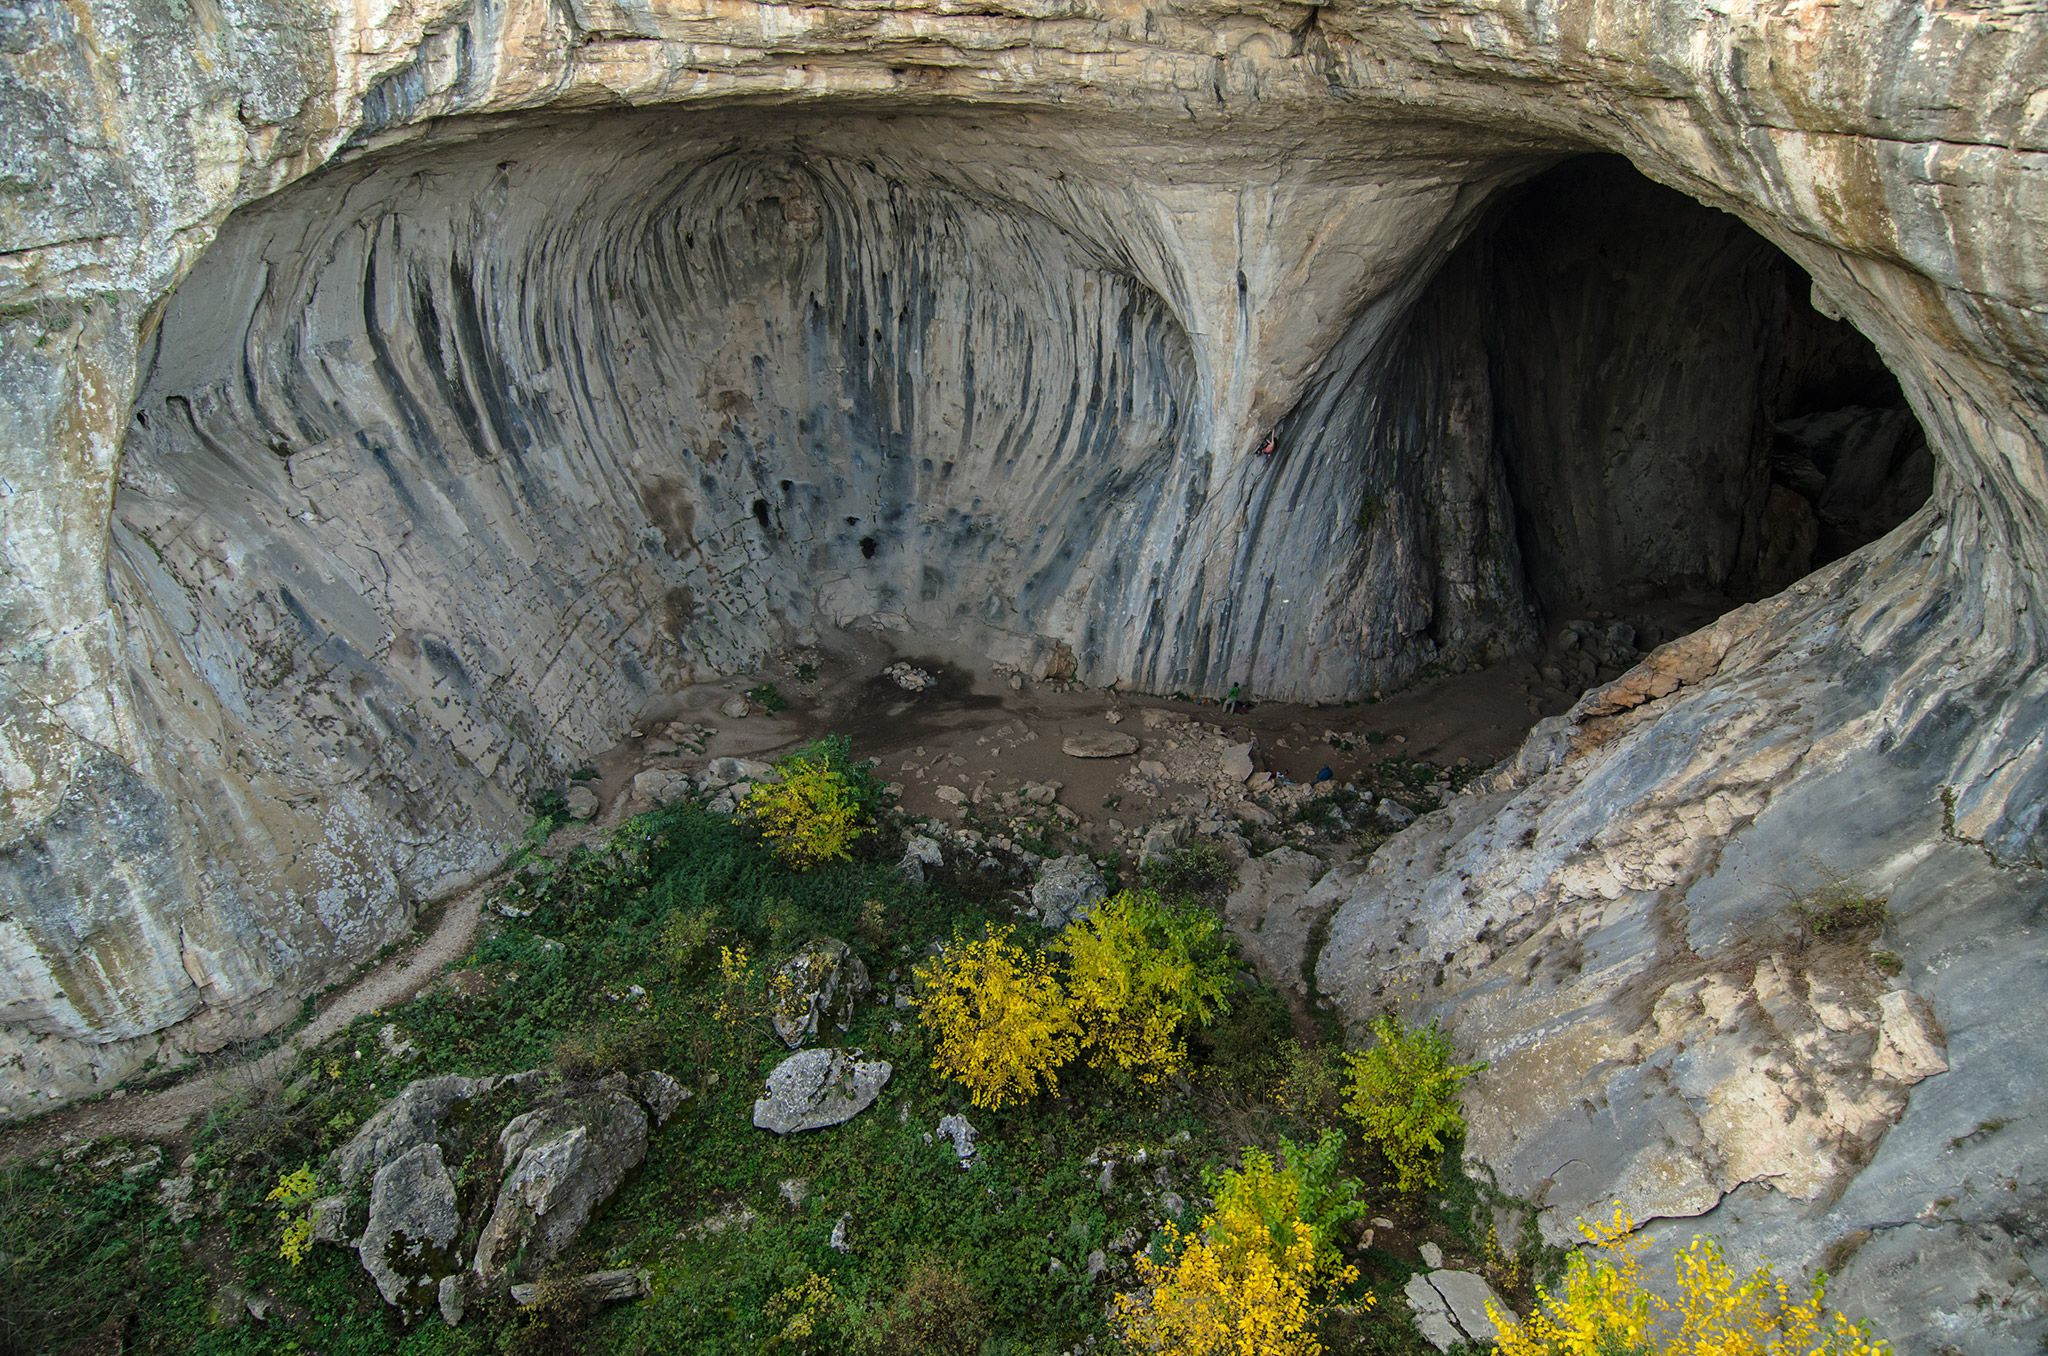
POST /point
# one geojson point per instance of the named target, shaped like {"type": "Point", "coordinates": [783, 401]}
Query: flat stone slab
{"type": "Point", "coordinates": [1100, 744]}
{"type": "Point", "coordinates": [813, 1089]}
{"type": "Point", "coordinates": [1450, 1307]}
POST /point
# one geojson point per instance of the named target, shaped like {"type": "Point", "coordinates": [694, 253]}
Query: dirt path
{"type": "Point", "coordinates": [167, 1112]}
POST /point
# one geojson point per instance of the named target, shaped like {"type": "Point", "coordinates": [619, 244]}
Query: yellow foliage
{"type": "Point", "coordinates": [1604, 1308]}
{"type": "Point", "coordinates": [736, 1004]}
{"type": "Point", "coordinates": [1138, 972]}
{"type": "Point", "coordinates": [292, 1195]}
{"type": "Point", "coordinates": [1244, 1285]}
{"type": "Point", "coordinates": [810, 817]}
{"type": "Point", "coordinates": [998, 1018]}
{"type": "Point", "coordinates": [806, 1309]}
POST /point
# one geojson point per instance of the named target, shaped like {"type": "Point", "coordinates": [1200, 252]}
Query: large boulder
{"type": "Point", "coordinates": [563, 1160]}
{"type": "Point", "coordinates": [814, 1089]}
{"type": "Point", "coordinates": [413, 1221]}
{"type": "Point", "coordinates": [564, 1151]}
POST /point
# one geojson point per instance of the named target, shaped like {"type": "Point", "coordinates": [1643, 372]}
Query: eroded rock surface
{"type": "Point", "coordinates": [816, 988]}
{"type": "Point", "coordinates": [817, 1089]}
{"type": "Point", "coordinates": [480, 418]}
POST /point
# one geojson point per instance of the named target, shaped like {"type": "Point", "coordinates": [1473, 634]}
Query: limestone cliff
{"type": "Point", "coordinates": [396, 395]}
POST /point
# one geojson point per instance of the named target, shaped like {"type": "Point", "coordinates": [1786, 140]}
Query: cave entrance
{"type": "Point", "coordinates": [1681, 430]}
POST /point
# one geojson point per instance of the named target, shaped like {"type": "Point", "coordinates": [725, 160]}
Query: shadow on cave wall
{"type": "Point", "coordinates": [1680, 429]}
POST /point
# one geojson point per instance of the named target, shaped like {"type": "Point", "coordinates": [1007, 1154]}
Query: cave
{"type": "Point", "coordinates": [1678, 429]}
{"type": "Point", "coordinates": [404, 419]}
{"type": "Point", "coordinates": [450, 462]}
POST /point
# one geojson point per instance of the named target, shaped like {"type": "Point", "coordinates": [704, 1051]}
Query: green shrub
{"type": "Point", "coordinates": [1139, 973]}
{"type": "Point", "coordinates": [1403, 1093]}
{"type": "Point", "coordinates": [1839, 910]}
{"type": "Point", "coordinates": [1197, 871]}
{"type": "Point", "coordinates": [768, 697]}
{"type": "Point", "coordinates": [938, 1312]}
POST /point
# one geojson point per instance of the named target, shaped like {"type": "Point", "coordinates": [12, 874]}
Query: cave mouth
{"type": "Point", "coordinates": [450, 461]}
{"type": "Point", "coordinates": [1679, 429]}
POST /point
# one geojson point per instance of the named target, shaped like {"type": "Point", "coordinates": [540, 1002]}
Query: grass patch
{"type": "Point", "coordinates": [651, 949]}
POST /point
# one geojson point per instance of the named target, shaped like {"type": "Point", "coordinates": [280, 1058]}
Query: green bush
{"type": "Point", "coordinates": [1403, 1093]}
{"type": "Point", "coordinates": [1198, 871]}
{"type": "Point", "coordinates": [938, 1312]}
{"type": "Point", "coordinates": [1139, 973]}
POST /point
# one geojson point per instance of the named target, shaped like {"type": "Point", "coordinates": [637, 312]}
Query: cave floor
{"type": "Point", "coordinates": [989, 741]}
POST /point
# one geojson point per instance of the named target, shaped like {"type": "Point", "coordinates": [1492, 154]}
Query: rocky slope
{"type": "Point", "coordinates": [398, 396]}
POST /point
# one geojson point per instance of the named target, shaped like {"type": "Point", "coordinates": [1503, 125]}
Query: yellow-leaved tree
{"type": "Point", "coordinates": [1714, 1310]}
{"type": "Point", "coordinates": [1139, 973]}
{"type": "Point", "coordinates": [815, 813]}
{"type": "Point", "coordinates": [998, 1018]}
{"type": "Point", "coordinates": [1250, 1281]}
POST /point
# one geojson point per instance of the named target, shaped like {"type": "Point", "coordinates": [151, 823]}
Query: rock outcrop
{"type": "Point", "coordinates": [816, 988]}
{"type": "Point", "coordinates": [563, 1152]}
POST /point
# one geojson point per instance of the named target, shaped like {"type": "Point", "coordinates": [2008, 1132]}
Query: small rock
{"type": "Point", "coordinates": [949, 794]}
{"type": "Point", "coordinates": [1113, 717]}
{"type": "Point", "coordinates": [920, 854]}
{"type": "Point", "coordinates": [395, 1045]}
{"type": "Point", "coordinates": [795, 1191]}
{"type": "Point", "coordinates": [838, 1241]}
{"type": "Point", "coordinates": [1099, 744]}
{"type": "Point", "coordinates": [957, 1129]}
{"type": "Point", "coordinates": [329, 1216]}
{"type": "Point", "coordinates": [1098, 1262]}
{"type": "Point", "coordinates": [909, 677]}
{"type": "Point", "coordinates": [1067, 888]}
{"type": "Point", "coordinates": [721, 773]}
{"type": "Point", "coordinates": [174, 1194]}
{"type": "Point", "coordinates": [735, 708]}
{"type": "Point", "coordinates": [1150, 767]}
{"type": "Point", "coordinates": [1235, 765]}
{"type": "Point", "coordinates": [1393, 812]}
{"type": "Point", "coordinates": [582, 802]}
{"type": "Point", "coordinates": [1164, 839]}
{"type": "Point", "coordinates": [1432, 1256]}
{"type": "Point", "coordinates": [814, 1089]}
{"type": "Point", "coordinates": [596, 1287]}
{"type": "Point", "coordinates": [660, 786]}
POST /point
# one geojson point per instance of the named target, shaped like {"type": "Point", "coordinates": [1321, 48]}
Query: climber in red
{"type": "Point", "coordinates": [1270, 446]}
